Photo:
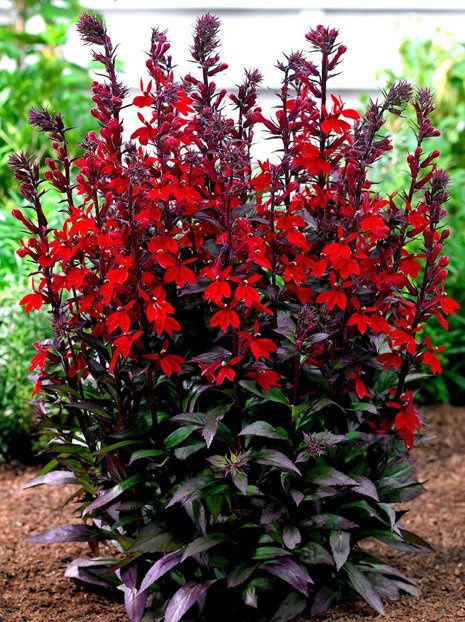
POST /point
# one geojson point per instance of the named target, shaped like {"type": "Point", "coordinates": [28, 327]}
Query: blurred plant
{"type": "Point", "coordinates": [17, 336]}
{"type": "Point", "coordinates": [33, 72]}
{"type": "Point", "coordinates": [440, 64]}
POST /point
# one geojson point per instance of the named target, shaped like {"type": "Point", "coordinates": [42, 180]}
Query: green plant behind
{"type": "Point", "coordinates": [441, 66]}
{"type": "Point", "coordinates": [33, 73]}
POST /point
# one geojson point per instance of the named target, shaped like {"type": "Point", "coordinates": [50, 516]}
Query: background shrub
{"type": "Point", "coordinates": [34, 73]}
{"type": "Point", "coordinates": [442, 65]}
{"type": "Point", "coordinates": [17, 335]}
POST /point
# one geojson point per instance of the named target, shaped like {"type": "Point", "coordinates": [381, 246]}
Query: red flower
{"type": "Point", "coordinates": [169, 363]}
{"type": "Point", "coordinates": [259, 346]}
{"type": "Point", "coordinates": [430, 358]}
{"type": "Point", "coordinates": [220, 370]}
{"type": "Point", "coordinates": [123, 347]}
{"type": "Point", "coordinates": [309, 157]}
{"type": "Point", "coordinates": [146, 99]}
{"type": "Point", "coordinates": [219, 288]}
{"type": "Point", "coordinates": [360, 320]}
{"type": "Point", "coordinates": [266, 378]}
{"type": "Point", "coordinates": [40, 359]}
{"type": "Point", "coordinates": [33, 300]}
{"type": "Point", "coordinates": [225, 318]}
{"type": "Point", "coordinates": [378, 324]}
{"type": "Point", "coordinates": [246, 292]}
{"type": "Point", "coordinates": [360, 388]}
{"type": "Point", "coordinates": [146, 133]}
{"type": "Point", "coordinates": [179, 274]}
{"type": "Point", "coordinates": [404, 340]}
{"type": "Point", "coordinates": [120, 319]}
{"type": "Point", "coordinates": [375, 225]}
{"type": "Point", "coordinates": [159, 310]}
{"type": "Point", "coordinates": [390, 360]}
{"type": "Point", "coordinates": [332, 121]}
{"type": "Point", "coordinates": [406, 423]}
{"type": "Point", "coordinates": [448, 305]}
{"type": "Point", "coordinates": [334, 297]}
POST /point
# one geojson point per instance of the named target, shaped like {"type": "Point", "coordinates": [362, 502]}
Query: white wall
{"type": "Point", "coordinates": [256, 32]}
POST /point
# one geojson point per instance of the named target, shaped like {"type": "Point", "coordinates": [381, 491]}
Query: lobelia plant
{"type": "Point", "coordinates": [229, 378]}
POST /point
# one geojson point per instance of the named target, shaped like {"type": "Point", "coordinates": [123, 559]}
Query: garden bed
{"type": "Point", "coordinates": [33, 589]}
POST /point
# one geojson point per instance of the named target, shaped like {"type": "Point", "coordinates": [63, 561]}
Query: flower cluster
{"type": "Point", "coordinates": [190, 287]}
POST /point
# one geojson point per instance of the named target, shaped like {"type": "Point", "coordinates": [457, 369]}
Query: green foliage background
{"type": "Point", "coordinates": [440, 66]}
{"type": "Point", "coordinates": [33, 73]}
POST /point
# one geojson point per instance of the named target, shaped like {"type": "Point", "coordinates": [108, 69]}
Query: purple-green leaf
{"type": "Point", "coordinates": [329, 476]}
{"type": "Point", "coordinates": [92, 571]}
{"type": "Point", "coordinates": [263, 428]}
{"type": "Point", "coordinates": [184, 599]}
{"type": "Point", "coordinates": [365, 487]}
{"type": "Point", "coordinates": [249, 596]}
{"type": "Point", "coordinates": [275, 458]}
{"type": "Point", "coordinates": [269, 552]}
{"type": "Point", "coordinates": [291, 537]}
{"type": "Point", "coordinates": [313, 554]}
{"type": "Point", "coordinates": [112, 493]}
{"type": "Point", "coordinates": [134, 600]}
{"type": "Point", "coordinates": [190, 490]}
{"type": "Point", "coordinates": [210, 428]}
{"type": "Point", "coordinates": [154, 538]}
{"type": "Point", "coordinates": [325, 598]}
{"type": "Point", "coordinates": [240, 480]}
{"type": "Point", "coordinates": [69, 533]}
{"type": "Point", "coordinates": [329, 521]}
{"type": "Point", "coordinates": [290, 571]}
{"type": "Point", "coordinates": [203, 543]}
{"type": "Point", "coordinates": [52, 478]}
{"type": "Point", "coordinates": [160, 568]}
{"type": "Point", "coordinates": [340, 547]}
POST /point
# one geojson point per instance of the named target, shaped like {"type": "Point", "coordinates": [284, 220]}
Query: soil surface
{"type": "Point", "coordinates": [33, 589]}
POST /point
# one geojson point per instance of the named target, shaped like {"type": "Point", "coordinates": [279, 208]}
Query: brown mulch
{"type": "Point", "coordinates": [33, 589]}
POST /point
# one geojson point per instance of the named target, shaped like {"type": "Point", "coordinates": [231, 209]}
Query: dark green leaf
{"type": "Point", "coordinates": [203, 543]}
{"type": "Point", "coordinates": [361, 584]}
{"type": "Point", "coordinates": [178, 436]}
{"type": "Point", "coordinates": [185, 451]}
{"type": "Point", "coordinates": [269, 552]}
{"type": "Point", "coordinates": [241, 573]}
{"type": "Point", "coordinates": [154, 538]}
{"type": "Point", "coordinates": [140, 454]}
{"type": "Point", "coordinates": [292, 606]}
